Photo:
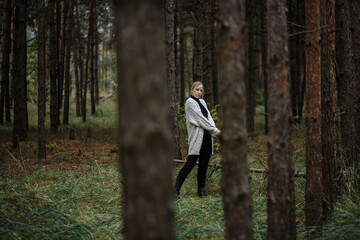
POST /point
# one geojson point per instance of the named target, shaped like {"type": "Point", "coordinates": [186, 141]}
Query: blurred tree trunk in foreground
{"type": "Point", "coordinates": [144, 128]}
{"type": "Point", "coordinates": [235, 178]}
{"type": "Point", "coordinates": [281, 195]}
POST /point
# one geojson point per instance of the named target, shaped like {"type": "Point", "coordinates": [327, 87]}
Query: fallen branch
{"type": "Point", "coordinates": [253, 170]}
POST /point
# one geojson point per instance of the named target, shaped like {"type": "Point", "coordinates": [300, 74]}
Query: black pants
{"type": "Point", "coordinates": [204, 157]}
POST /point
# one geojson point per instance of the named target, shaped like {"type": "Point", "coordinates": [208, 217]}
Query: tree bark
{"type": "Point", "coordinates": [313, 191]}
{"type": "Point", "coordinates": [80, 48]}
{"type": "Point", "coordinates": [214, 53]}
{"type": "Point", "coordinates": [281, 196]}
{"type": "Point", "coordinates": [53, 69]}
{"type": "Point", "coordinates": [328, 124]}
{"type": "Point", "coordinates": [41, 80]}
{"type": "Point", "coordinates": [171, 73]}
{"type": "Point", "coordinates": [61, 54]}
{"type": "Point", "coordinates": [202, 48]}
{"type": "Point", "coordinates": [354, 7]}
{"type": "Point", "coordinates": [96, 60]}
{"type": "Point", "coordinates": [181, 53]}
{"type": "Point", "coordinates": [235, 180]}
{"type": "Point", "coordinates": [92, 60]}
{"type": "Point", "coordinates": [143, 121]}
{"type": "Point", "coordinates": [253, 8]}
{"type": "Point", "coordinates": [76, 69]}
{"type": "Point", "coordinates": [67, 63]}
{"type": "Point", "coordinates": [19, 68]}
{"type": "Point", "coordinates": [5, 70]}
{"type": "Point", "coordinates": [346, 83]}
{"type": "Point", "coordinates": [88, 56]}
{"type": "Point", "coordinates": [264, 65]}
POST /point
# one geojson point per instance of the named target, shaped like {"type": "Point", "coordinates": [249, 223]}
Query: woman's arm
{"type": "Point", "coordinates": [195, 116]}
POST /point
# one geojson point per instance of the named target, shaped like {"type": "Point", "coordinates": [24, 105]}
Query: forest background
{"type": "Point", "coordinates": [286, 165]}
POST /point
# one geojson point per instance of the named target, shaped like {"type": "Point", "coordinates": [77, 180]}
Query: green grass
{"type": "Point", "coordinates": [87, 205]}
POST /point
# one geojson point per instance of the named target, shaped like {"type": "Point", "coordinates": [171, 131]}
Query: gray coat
{"type": "Point", "coordinates": [196, 123]}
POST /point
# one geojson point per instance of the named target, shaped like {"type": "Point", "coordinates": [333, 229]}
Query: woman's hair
{"type": "Point", "coordinates": [195, 84]}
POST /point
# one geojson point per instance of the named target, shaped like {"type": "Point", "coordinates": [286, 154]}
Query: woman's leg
{"type": "Point", "coordinates": [205, 153]}
{"type": "Point", "coordinates": [190, 162]}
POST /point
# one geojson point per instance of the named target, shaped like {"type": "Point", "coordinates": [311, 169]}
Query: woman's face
{"type": "Point", "coordinates": [197, 91]}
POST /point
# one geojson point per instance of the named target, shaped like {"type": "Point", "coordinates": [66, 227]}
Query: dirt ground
{"type": "Point", "coordinates": [90, 147]}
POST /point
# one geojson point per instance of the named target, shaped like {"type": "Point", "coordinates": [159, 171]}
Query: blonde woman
{"type": "Point", "coordinates": [201, 130]}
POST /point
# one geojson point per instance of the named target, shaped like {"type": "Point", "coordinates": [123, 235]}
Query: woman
{"type": "Point", "coordinates": [201, 130]}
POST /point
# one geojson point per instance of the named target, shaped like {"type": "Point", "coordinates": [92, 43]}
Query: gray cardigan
{"type": "Point", "coordinates": [195, 123]}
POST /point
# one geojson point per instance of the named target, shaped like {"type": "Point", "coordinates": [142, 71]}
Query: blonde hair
{"type": "Point", "coordinates": [194, 85]}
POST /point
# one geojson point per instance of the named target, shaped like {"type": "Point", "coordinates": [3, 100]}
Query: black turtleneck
{"type": "Point", "coordinates": [202, 108]}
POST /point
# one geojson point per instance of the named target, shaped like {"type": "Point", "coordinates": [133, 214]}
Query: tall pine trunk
{"type": "Point", "coordinates": [92, 60]}
{"type": "Point", "coordinates": [346, 84]}
{"type": "Point", "coordinates": [61, 54]}
{"type": "Point", "coordinates": [171, 73]}
{"type": "Point", "coordinates": [313, 190]}
{"type": "Point", "coordinates": [88, 56]}
{"type": "Point", "coordinates": [41, 79]}
{"type": "Point", "coordinates": [19, 74]}
{"type": "Point", "coordinates": [5, 64]}
{"type": "Point", "coordinates": [354, 7]}
{"type": "Point", "coordinates": [328, 124]}
{"type": "Point", "coordinates": [144, 131]}
{"type": "Point", "coordinates": [53, 69]}
{"type": "Point", "coordinates": [181, 53]}
{"type": "Point", "coordinates": [75, 41]}
{"type": "Point", "coordinates": [281, 195]}
{"type": "Point", "coordinates": [67, 63]}
{"type": "Point", "coordinates": [235, 180]}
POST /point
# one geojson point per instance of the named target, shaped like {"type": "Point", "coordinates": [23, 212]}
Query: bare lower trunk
{"type": "Point", "coordinates": [281, 196]}
{"type": "Point", "coordinates": [235, 179]}
{"type": "Point", "coordinates": [143, 121]}
{"type": "Point", "coordinates": [313, 191]}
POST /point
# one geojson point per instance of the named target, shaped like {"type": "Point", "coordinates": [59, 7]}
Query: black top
{"type": "Point", "coordinates": [202, 108]}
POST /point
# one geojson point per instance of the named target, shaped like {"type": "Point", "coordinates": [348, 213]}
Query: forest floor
{"type": "Point", "coordinates": [76, 194]}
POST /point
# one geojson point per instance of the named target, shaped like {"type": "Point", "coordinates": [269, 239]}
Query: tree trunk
{"type": "Point", "coordinates": [96, 60]}
{"type": "Point", "coordinates": [53, 69]}
{"type": "Point", "coordinates": [76, 68]}
{"type": "Point", "coordinates": [92, 60]}
{"type": "Point", "coordinates": [294, 67]}
{"type": "Point", "coordinates": [61, 54]}
{"type": "Point", "coordinates": [252, 8]}
{"type": "Point", "coordinates": [300, 46]}
{"type": "Point", "coordinates": [81, 63]}
{"type": "Point", "coordinates": [327, 111]}
{"type": "Point", "coordinates": [171, 73]}
{"type": "Point", "coordinates": [346, 83]}
{"type": "Point", "coordinates": [214, 55]}
{"type": "Point", "coordinates": [5, 70]}
{"type": "Point", "coordinates": [181, 54]}
{"type": "Point", "coordinates": [235, 179]}
{"type": "Point", "coordinates": [19, 68]}
{"type": "Point", "coordinates": [67, 63]}
{"type": "Point", "coordinates": [354, 7]}
{"type": "Point", "coordinates": [143, 121]}
{"type": "Point", "coordinates": [281, 196]}
{"type": "Point", "coordinates": [41, 80]}
{"type": "Point", "coordinates": [264, 65]}
{"type": "Point", "coordinates": [88, 55]}
{"type": "Point", "coordinates": [202, 48]}
{"type": "Point", "coordinates": [313, 191]}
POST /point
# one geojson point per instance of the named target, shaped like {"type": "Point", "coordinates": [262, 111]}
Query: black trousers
{"type": "Point", "coordinates": [204, 157]}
